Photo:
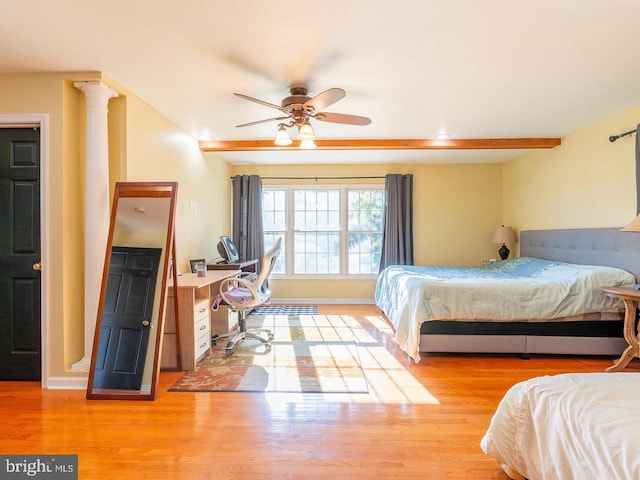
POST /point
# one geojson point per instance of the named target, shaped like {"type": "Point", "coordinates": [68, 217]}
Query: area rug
{"type": "Point", "coordinates": [308, 354]}
{"type": "Point", "coordinates": [285, 310]}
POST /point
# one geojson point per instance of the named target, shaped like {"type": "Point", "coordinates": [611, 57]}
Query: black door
{"type": "Point", "coordinates": [20, 254]}
{"type": "Point", "coordinates": [126, 318]}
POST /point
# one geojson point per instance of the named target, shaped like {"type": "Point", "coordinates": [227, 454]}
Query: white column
{"type": "Point", "coordinates": [97, 206]}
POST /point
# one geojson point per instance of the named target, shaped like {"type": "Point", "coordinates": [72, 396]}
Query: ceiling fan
{"type": "Point", "coordinates": [298, 108]}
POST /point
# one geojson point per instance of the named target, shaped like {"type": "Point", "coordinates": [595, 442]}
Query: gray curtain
{"type": "Point", "coordinates": [247, 230]}
{"type": "Point", "coordinates": [638, 168]}
{"type": "Point", "coordinates": [397, 227]}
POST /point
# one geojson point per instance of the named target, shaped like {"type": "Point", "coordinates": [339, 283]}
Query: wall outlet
{"type": "Point", "coordinates": [193, 207]}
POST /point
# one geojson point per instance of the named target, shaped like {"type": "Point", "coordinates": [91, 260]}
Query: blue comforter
{"type": "Point", "coordinates": [522, 289]}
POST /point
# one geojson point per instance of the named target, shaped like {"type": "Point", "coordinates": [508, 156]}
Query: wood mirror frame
{"type": "Point", "coordinates": [142, 220]}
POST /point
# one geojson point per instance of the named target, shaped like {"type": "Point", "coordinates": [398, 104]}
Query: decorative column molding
{"type": "Point", "coordinates": [97, 207]}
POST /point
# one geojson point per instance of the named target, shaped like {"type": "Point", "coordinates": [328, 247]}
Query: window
{"type": "Point", "coordinates": [274, 218]}
{"type": "Point", "coordinates": [329, 231]}
{"type": "Point", "coordinates": [365, 230]}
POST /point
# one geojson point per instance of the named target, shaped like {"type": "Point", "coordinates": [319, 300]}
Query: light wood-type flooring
{"type": "Point", "coordinates": [417, 421]}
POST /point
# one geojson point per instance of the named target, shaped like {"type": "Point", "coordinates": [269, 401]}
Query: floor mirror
{"type": "Point", "coordinates": [125, 361]}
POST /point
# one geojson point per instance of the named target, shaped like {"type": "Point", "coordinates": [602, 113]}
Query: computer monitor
{"type": "Point", "coordinates": [228, 250]}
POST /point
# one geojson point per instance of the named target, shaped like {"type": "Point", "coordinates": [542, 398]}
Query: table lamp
{"type": "Point", "coordinates": [503, 235]}
{"type": "Point", "coordinates": [634, 226]}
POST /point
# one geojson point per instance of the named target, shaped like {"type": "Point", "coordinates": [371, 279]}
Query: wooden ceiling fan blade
{"type": "Point", "coordinates": [264, 121]}
{"type": "Point", "coordinates": [342, 118]}
{"type": "Point", "coordinates": [261, 102]}
{"type": "Point", "coordinates": [324, 99]}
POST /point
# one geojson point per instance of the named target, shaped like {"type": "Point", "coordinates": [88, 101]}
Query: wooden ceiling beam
{"type": "Point", "coordinates": [385, 144]}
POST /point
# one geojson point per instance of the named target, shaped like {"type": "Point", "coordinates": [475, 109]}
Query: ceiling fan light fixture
{"type": "Point", "coordinates": [298, 108]}
{"type": "Point", "coordinates": [305, 132]}
{"type": "Point", "coordinates": [307, 144]}
{"type": "Point", "coordinates": [282, 137]}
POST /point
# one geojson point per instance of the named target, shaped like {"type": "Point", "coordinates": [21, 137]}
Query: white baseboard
{"type": "Point", "coordinates": [76, 383]}
{"type": "Point", "coordinates": [66, 383]}
{"type": "Point", "coordinates": [322, 301]}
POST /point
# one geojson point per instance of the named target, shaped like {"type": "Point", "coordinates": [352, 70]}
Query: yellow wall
{"type": "Point", "coordinates": [54, 95]}
{"type": "Point", "coordinates": [456, 208]}
{"type": "Point", "coordinates": [144, 146]}
{"type": "Point", "coordinates": [158, 150]}
{"type": "Point", "coordinates": [586, 182]}
{"type": "Point", "coordinates": [73, 221]}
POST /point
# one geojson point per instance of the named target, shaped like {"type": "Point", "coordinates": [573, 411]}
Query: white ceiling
{"type": "Point", "coordinates": [143, 214]}
{"type": "Point", "coordinates": [490, 68]}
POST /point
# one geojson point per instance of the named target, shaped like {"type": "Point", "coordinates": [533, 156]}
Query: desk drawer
{"type": "Point", "coordinates": [201, 327]}
{"type": "Point", "coordinates": [200, 310]}
{"type": "Point", "coordinates": [202, 336]}
{"type": "Point", "coordinates": [202, 345]}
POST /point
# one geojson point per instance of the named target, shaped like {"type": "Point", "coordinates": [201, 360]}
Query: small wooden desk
{"type": "Point", "coordinates": [195, 322]}
{"type": "Point", "coordinates": [248, 265]}
{"type": "Point", "coordinates": [630, 296]}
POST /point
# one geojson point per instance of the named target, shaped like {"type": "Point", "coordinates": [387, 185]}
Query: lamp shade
{"type": "Point", "coordinates": [282, 137]}
{"type": "Point", "coordinates": [634, 226]}
{"type": "Point", "coordinates": [307, 144]}
{"type": "Point", "coordinates": [503, 234]}
{"type": "Point", "coordinates": [305, 132]}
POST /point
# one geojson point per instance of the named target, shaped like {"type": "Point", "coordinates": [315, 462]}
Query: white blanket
{"type": "Point", "coordinates": [523, 289]}
{"type": "Point", "coordinates": [570, 426]}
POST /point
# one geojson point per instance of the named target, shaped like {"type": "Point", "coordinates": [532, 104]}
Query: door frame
{"type": "Point", "coordinates": [40, 120]}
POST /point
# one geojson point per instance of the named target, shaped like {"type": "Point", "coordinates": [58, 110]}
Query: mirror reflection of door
{"type": "Point", "coordinates": [125, 361]}
{"type": "Point", "coordinates": [126, 317]}
{"type": "Point", "coordinates": [20, 285]}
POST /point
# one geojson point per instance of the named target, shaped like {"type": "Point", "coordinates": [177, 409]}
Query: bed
{"type": "Point", "coordinates": [575, 425]}
{"type": "Point", "coordinates": [496, 309]}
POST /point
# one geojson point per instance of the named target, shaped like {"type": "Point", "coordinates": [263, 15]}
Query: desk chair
{"type": "Point", "coordinates": [244, 292]}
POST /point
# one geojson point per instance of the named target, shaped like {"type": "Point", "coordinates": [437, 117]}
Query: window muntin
{"type": "Point", "coordinates": [365, 230]}
{"type": "Point", "coordinates": [274, 219]}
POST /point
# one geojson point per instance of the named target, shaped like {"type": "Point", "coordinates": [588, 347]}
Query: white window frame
{"type": "Point", "coordinates": [343, 232]}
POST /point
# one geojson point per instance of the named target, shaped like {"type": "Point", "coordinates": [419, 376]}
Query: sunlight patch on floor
{"type": "Point", "coordinates": [388, 380]}
{"type": "Point", "coordinates": [379, 322]}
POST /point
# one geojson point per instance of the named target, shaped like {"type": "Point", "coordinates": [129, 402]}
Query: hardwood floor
{"type": "Point", "coordinates": [417, 421]}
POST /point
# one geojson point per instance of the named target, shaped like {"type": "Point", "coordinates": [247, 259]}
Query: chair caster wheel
{"type": "Point", "coordinates": [229, 351]}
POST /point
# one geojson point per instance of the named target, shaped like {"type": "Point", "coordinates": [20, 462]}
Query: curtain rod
{"type": "Point", "coordinates": [316, 178]}
{"type": "Point", "coordinates": [613, 138]}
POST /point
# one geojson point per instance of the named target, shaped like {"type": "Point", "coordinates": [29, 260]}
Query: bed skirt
{"type": "Point", "coordinates": [596, 337]}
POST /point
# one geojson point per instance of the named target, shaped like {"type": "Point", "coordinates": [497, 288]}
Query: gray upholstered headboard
{"type": "Point", "coordinates": [590, 246]}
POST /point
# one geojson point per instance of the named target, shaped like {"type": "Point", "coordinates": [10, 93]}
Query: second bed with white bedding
{"type": "Point", "coordinates": [569, 426]}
